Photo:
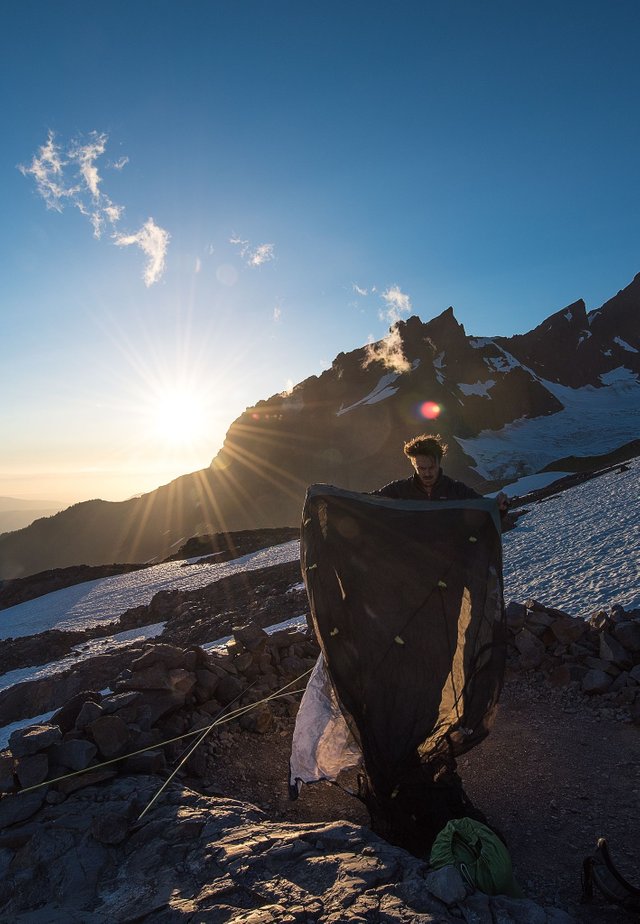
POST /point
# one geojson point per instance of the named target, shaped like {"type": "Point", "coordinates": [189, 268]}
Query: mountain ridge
{"type": "Point", "coordinates": [347, 425]}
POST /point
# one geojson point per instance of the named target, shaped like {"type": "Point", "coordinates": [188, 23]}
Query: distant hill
{"type": "Point", "coordinates": [16, 513]}
{"type": "Point", "coordinates": [507, 406]}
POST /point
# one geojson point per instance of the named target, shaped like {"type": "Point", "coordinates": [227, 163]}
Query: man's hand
{"type": "Point", "coordinates": [503, 502]}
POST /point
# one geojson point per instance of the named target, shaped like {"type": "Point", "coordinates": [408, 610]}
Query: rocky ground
{"type": "Point", "coordinates": [225, 843]}
{"type": "Point", "coordinates": [558, 771]}
{"type": "Point", "coordinates": [554, 775]}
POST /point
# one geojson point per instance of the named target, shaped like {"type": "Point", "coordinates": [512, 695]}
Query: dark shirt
{"type": "Point", "coordinates": [445, 488]}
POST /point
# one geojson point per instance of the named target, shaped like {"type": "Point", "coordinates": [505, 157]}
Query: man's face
{"type": "Point", "coordinates": [427, 469]}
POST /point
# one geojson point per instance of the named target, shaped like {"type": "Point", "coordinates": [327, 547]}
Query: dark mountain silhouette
{"type": "Point", "coordinates": [16, 513]}
{"type": "Point", "coordinates": [346, 427]}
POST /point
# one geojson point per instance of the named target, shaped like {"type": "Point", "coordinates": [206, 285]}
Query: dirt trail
{"type": "Point", "coordinates": [553, 776]}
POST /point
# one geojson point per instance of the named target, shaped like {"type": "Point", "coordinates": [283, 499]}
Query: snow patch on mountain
{"type": "Point", "coordinates": [530, 483]}
{"type": "Point", "coordinates": [579, 550]}
{"type": "Point", "coordinates": [503, 363]}
{"type": "Point", "coordinates": [481, 389]}
{"type": "Point", "coordinates": [624, 345]}
{"type": "Point", "coordinates": [593, 421]}
{"type": "Point", "coordinates": [383, 389]}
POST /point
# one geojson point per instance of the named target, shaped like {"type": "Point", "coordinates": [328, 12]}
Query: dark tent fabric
{"type": "Point", "coordinates": [406, 602]}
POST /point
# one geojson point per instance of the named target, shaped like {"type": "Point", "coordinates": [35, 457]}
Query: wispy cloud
{"type": "Point", "coordinates": [69, 175]}
{"type": "Point", "coordinates": [47, 169]}
{"type": "Point", "coordinates": [397, 304]}
{"type": "Point", "coordinates": [358, 290]}
{"type": "Point", "coordinates": [253, 256]}
{"type": "Point", "coordinates": [389, 352]}
{"type": "Point", "coordinates": [153, 241]}
{"type": "Point", "coordinates": [277, 313]}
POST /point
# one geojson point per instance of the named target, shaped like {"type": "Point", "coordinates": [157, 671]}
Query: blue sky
{"type": "Point", "coordinates": [300, 173]}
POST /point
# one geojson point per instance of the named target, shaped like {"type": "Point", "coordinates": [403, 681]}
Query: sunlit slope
{"type": "Point", "coordinates": [506, 407]}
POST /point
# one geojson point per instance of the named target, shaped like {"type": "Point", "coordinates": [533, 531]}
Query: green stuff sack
{"type": "Point", "coordinates": [478, 854]}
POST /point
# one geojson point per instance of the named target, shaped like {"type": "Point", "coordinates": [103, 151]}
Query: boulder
{"type": "Point", "coordinates": [170, 655]}
{"type": "Point", "coordinates": [26, 741]}
{"type": "Point", "coordinates": [531, 649]}
{"type": "Point", "coordinates": [75, 754]}
{"type": "Point", "coordinates": [538, 620]}
{"type": "Point", "coordinates": [182, 680]}
{"type": "Point", "coordinates": [111, 735]}
{"type": "Point", "coordinates": [596, 681]}
{"type": "Point", "coordinates": [207, 682]}
{"type": "Point", "coordinates": [516, 614]}
{"type": "Point", "coordinates": [628, 634]}
{"type": "Point", "coordinates": [243, 661]}
{"type": "Point", "coordinates": [251, 637]}
{"type": "Point", "coordinates": [446, 884]}
{"type": "Point", "coordinates": [600, 664]}
{"type": "Point", "coordinates": [161, 702]}
{"type": "Point", "coordinates": [152, 677]}
{"type": "Point", "coordinates": [19, 807]}
{"type": "Point", "coordinates": [292, 667]}
{"type": "Point", "coordinates": [7, 781]}
{"type": "Point", "coordinates": [568, 630]}
{"type": "Point", "coordinates": [612, 650]}
{"type": "Point", "coordinates": [32, 770]}
{"type": "Point", "coordinates": [228, 689]}
{"type": "Point", "coordinates": [634, 673]}
{"type": "Point", "coordinates": [599, 620]}
{"type": "Point", "coordinates": [117, 701]}
{"type": "Point", "coordinates": [89, 712]}
{"type": "Point", "coordinates": [65, 718]}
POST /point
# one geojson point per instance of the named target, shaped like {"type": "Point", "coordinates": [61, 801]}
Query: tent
{"type": "Point", "coordinates": [406, 602]}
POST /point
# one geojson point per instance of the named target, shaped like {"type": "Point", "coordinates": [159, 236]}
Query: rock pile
{"type": "Point", "coordinates": [165, 693]}
{"type": "Point", "coordinates": [223, 860]}
{"type": "Point", "coordinates": [600, 656]}
{"type": "Point", "coordinates": [168, 691]}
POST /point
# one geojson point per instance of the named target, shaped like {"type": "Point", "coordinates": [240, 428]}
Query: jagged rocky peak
{"type": "Point", "coordinates": [445, 330]}
{"type": "Point", "coordinates": [617, 320]}
{"type": "Point", "coordinates": [563, 324]}
{"type": "Point", "coordinates": [442, 332]}
{"type": "Point", "coordinates": [559, 349]}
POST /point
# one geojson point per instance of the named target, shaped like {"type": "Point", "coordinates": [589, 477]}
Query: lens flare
{"type": "Point", "coordinates": [430, 410]}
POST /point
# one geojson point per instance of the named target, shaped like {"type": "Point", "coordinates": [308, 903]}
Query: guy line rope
{"type": "Point", "coordinates": [201, 732]}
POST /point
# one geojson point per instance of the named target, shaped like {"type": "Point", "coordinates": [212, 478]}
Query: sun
{"type": "Point", "coordinates": [178, 417]}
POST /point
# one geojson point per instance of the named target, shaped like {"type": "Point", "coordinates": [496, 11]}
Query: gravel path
{"type": "Point", "coordinates": [555, 774]}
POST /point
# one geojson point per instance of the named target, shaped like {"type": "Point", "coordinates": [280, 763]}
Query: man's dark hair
{"type": "Point", "coordinates": [425, 445]}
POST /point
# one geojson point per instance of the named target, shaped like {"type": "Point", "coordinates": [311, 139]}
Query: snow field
{"type": "Point", "coordinates": [579, 550]}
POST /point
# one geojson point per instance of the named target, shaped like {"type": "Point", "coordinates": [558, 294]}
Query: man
{"type": "Point", "coordinates": [428, 481]}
